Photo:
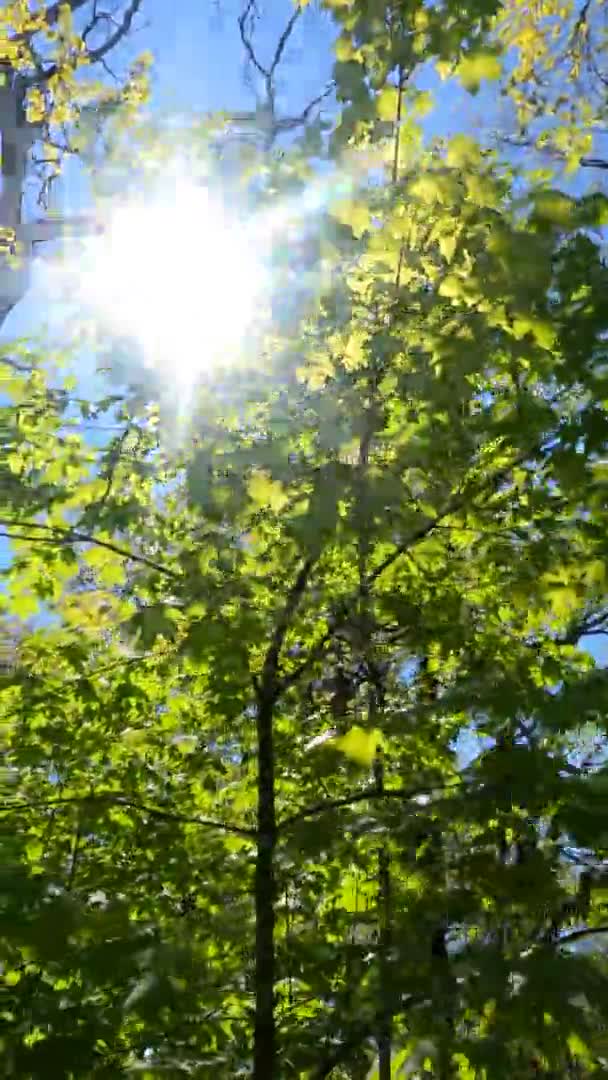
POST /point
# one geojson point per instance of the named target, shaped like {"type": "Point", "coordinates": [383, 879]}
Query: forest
{"type": "Point", "coordinates": [304, 543]}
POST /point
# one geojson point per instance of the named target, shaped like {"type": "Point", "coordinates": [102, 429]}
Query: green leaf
{"type": "Point", "coordinates": [156, 620]}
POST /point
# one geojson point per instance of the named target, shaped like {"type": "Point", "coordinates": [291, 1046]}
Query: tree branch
{"type": "Point", "coordinates": [371, 793]}
{"type": "Point", "coordinates": [453, 504]}
{"type": "Point", "coordinates": [275, 125]}
{"type": "Point", "coordinates": [284, 38]}
{"type": "Point", "coordinates": [578, 935]}
{"type": "Point", "coordinates": [93, 55]}
{"type": "Point", "coordinates": [581, 21]}
{"type": "Point", "coordinates": [246, 40]}
{"type": "Point", "coordinates": [316, 653]}
{"type": "Point", "coordinates": [112, 799]}
{"type": "Point", "coordinates": [121, 31]}
{"type": "Point", "coordinates": [288, 123]}
{"type": "Point", "coordinates": [594, 163]}
{"type": "Point", "coordinates": [593, 623]}
{"type": "Point", "coordinates": [268, 684]}
{"type": "Point", "coordinates": [69, 536]}
{"type": "Point", "coordinates": [75, 852]}
{"type": "Point", "coordinates": [414, 538]}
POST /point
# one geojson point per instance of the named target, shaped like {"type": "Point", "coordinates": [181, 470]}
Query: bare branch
{"type": "Point", "coordinates": [284, 38]}
{"type": "Point", "coordinates": [594, 163]}
{"type": "Point", "coordinates": [121, 31]}
{"type": "Point", "coordinates": [288, 123]}
{"type": "Point", "coordinates": [274, 124]}
{"type": "Point", "coordinates": [95, 55]}
{"type": "Point", "coordinates": [246, 39]}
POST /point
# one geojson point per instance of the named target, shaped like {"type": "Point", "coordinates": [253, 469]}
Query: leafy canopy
{"type": "Point", "coordinates": [289, 703]}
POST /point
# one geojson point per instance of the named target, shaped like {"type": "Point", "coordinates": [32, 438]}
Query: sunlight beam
{"type": "Point", "coordinates": [179, 277]}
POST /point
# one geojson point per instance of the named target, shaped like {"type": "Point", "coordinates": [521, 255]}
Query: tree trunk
{"type": "Point", "coordinates": [385, 1018]}
{"type": "Point", "coordinates": [264, 1055]}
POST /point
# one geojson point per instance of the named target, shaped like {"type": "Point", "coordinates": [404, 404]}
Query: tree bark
{"type": "Point", "coordinates": [268, 689]}
{"type": "Point", "coordinates": [385, 1018]}
{"type": "Point", "coordinates": [264, 1064]}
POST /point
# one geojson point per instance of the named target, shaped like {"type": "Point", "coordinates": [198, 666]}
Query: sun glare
{"type": "Point", "coordinates": [179, 277]}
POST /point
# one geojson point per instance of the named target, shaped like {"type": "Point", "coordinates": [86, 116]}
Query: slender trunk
{"type": "Point", "coordinates": [267, 691]}
{"type": "Point", "coordinates": [385, 1018]}
{"type": "Point", "coordinates": [264, 1056]}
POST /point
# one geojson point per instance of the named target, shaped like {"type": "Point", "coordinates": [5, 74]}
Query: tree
{"type": "Point", "coordinates": [241, 834]}
{"type": "Point", "coordinates": [43, 97]}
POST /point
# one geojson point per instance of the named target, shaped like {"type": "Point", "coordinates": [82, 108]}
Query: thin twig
{"type": "Point", "coordinates": [246, 40]}
{"type": "Point", "coordinates": [284, 38]}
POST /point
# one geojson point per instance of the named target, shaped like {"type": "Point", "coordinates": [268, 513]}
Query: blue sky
{"type": "Point", "coordinates": [199, 68]}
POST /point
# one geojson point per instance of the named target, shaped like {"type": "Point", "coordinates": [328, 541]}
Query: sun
{"type": "Point", "coordinates": [180, 277]}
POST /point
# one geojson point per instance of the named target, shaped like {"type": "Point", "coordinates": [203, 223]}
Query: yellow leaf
{"type": "Point", "coordinates": [344, 49]}
{"type": "Point", "coordinates": [542, 331]}
{"type": "Point", "coordinates": [360, 745]}
{"type": "Point", "coordinates": [452, 287]}
{"type": "Point", "coordinates": [387, 103]}
{"type": "Point", "coordinates": [354, 354]}
{"type": "Point", "coordinates": [35, 106]}
{"type": "Point", "coordinates": [447, 247]}
{"type": "Point", "coordinates": [423, 103]}
{"type": "Point", "coordinates": [267, 492]}
{"type": "Point", "coordinates": [476, 67]}
{"type": "Point", "coordinates": [134, 737]}
{"type": "Point", "coordinates": [461, 150]}
{"type": "Point", "coordinates": [357, 215]}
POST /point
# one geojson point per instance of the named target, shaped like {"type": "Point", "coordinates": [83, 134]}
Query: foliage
{"type": "Point", "coordinates": [238, 823]}
{"type": "Point", "coordinates": [558, 79]}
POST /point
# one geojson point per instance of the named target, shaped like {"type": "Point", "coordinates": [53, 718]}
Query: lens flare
{"type": "Point", "coordinates": [178, 276]}
{"type": "Point", "coordinates": [191, 283]}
